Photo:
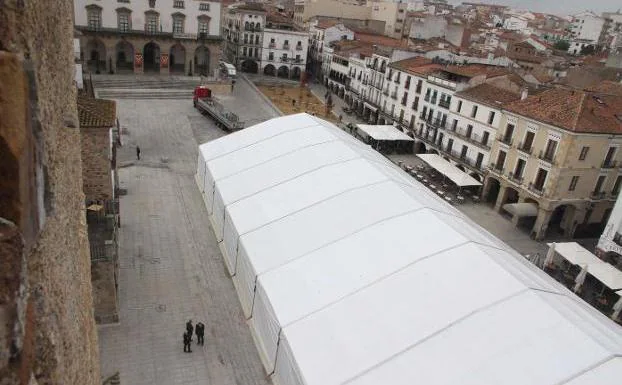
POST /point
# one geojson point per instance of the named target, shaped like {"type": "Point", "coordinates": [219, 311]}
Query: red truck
{"type": "Point", "coordinates": [208, 105]}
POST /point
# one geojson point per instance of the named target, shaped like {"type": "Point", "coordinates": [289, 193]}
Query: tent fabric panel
{"type": "Point", "coordinates": [261, 152]}
{"type": "Point", "coordinates": [304, 191]}
{"type": "Point", "coordinates": [524, 209]}
{"type": "Point", "coordinates": [286, 371]}
{"type": "Point", "coordinates": [230, 241]}
{"type": "Point", "coordinates": [575, 253]}
{"type": "Point", "coordinates": [608, 373]}
{"type": "Point", "coordinates": [547, 349]}
{"type": "Point", "coordinates": [459, 177]}
{"type": "Point", "coordinates": [200, 175]}
{"type": "Point", "coordinates": [253, 134]}
{"type": "Point", "coordinates": [367, 336]}
{"type": "Point", "coordinates": [291, 234]}
{"type": "Point", "coordinates": [209, 189]}
{"type": "Point", "coordinates": [354, 262]}
{"type": "Point", "coordinates": [384, 132]}
{"type": "Point", "coordinates": [246, 279]}
{"type": "Point", "coordinates": [606, 273]}
{"type": "Point", "coordinates": [266, 328]}
{"type": "Point", "coordinates": [218, 214]}
{"type": "Point", "coordinates": [287, 167]}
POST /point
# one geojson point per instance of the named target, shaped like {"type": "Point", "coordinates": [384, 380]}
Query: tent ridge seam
{"type": "Point", "coordinates": [374, 282]}
{"type": "Point", "coordinates": [436, 333]}
{"type": "Point", "coordinates": [589, 368]}
{"type": "Point", "coordinates": [293, 151]}
{"type": "Point", "coordinates": [259, 141]}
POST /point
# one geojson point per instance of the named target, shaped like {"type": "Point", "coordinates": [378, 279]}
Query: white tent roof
{"type": "Point", "coordinates": [576, 254]}
{"type": "Point", "coordinates": [353, 272]}
{"type": "Point", "coordinates": [524, 209]}
{"type": "Point", "coordinates": [608, 274]}
{"type": "Point", "coordinates": [385, 132]}
{"type": "Point", "coordinates": [459, 177]}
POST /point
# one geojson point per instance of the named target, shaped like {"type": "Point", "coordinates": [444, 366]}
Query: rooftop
{"type": "Point", "coordinates": [380, 40]}
{"type": "Point", "coordinates": [96, 112]}
{"type": "Point", "coordinates": [417, 65]}
{"type": "Point", "coordinates": [573, 110]}
{"type": "Point", "coordinates": [473, 70]}
{"type": "Point", "coordinates": [488, 94]}
{"type": "Point", "coordinates": [608, 87]}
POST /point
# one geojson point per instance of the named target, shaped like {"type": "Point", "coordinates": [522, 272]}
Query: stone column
{"type": "Point", "coordinates": [542, 223]}
{"type": "Point", "coordinates": [164, 63]}
{"type": "Point", "coordinates": [500, 198]}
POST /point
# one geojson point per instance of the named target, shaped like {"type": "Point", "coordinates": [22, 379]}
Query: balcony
{"type": "Point", "coordinates": [506, 139]}
{"type": "Point", "coordinates": [523, 148]}
{"type": "Point", "coordinates": [538, 190]}
{"type": "Point", "coordinates": [444, 103]}
{"type": "Point", "coordinates": [272, 45]}
{"type": "Point", "coordinates": [609, 164]}
{"type": "Point", "coordinates": [298, 48]}
{"type": "Point", "coordinates": [598, 195]}
{"type": "Point", "coordinates": [518, 179]}
{"type": "Point", "coordinates": [394, 95]}
{"type": "Point", "coordinates": [285, 46]}
{"type": "Point", "coordinates": [547, 157]}
{"type": "Point", "coordinates": [472, 138]}
{"type": "Point", "coordinates": [433, 101]}
{"type": "Point", "coordinates": [284, 59]}
{"type": "Point", "coordinates": [437, 123]}
{"type": "Point", "coordinates": [497, 169]}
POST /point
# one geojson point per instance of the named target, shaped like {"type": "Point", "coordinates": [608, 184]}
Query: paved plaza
{"type": "Point", "coordinates": [171, 269]}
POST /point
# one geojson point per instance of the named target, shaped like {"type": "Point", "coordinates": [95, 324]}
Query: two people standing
{"type": "Point", "coordinates": [200, 332]}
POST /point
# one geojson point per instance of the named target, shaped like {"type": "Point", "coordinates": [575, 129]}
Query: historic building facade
{"type": "Point", "coordinates": [165, 36]}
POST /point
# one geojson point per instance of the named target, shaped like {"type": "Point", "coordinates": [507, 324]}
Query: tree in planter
{"type": "Point", "coordinates": [562, 45]}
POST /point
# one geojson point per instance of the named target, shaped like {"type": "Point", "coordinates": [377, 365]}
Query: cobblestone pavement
{"type": "Point", "coordinates": [171, 269]}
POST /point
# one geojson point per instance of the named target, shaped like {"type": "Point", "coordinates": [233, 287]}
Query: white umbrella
{"type": "Point", "coordinates": [549, 255]}
{"type": "Point", "coordinates": [617, 308]}
{"type": "Point", "coordinates": [580, 279]}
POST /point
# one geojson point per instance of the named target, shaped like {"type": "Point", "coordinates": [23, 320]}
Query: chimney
{"type": "Point", "coordinates": [524, 93]}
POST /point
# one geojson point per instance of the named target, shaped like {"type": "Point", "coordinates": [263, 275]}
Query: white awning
{"type": "Point", "coordinates": [576, 254]}
{"type": "Point", "coordinates": [383, 132]}
{"type": "Point", "coordinates": [371, 107]}
{"type": "Point", "coordinates": [522, 209]}
{"type": "Point", "coordinates": [607, 274]}
{"type": "Point", "coordinates": [452, 172]}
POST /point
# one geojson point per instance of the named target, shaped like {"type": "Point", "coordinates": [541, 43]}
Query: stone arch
{"type": "Point", "coordinates": [202, 60]}
{"type": "Point", "coordinates": [269, 70]}
{"type": "Point", "coordinates": [296, 72]}
{"type": "Point", "coordinates": [510, 195]}
{"type": "Point", "coordinates": [151, 57]}
{"type": "Point", "coordinates": [476, 176]}
{"type": "Point", "coordinates": [96, 55]}
{"type": "Point", "coordinates": [491, 192]}
{"type": "Point", "coordinates": [250, 66]}
{"type": "Point", "coordinates": [342, 92]}
{"type": "Point", "coordinates": [432, 151]}
{"type": "Point", "coordinates": [124, 56]}
{"type": "Point", "coordinates": [421, 148]}
{"type": "Point", "coordinates": [283, 72]}
{"type": "Point", "coordinates": [561, 222]}
{"type": "Point", "coordinates": [177, 58]}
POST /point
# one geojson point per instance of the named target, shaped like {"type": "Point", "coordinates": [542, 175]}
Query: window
{"type": "Point", "coordinates": [270, 55]}
{"type": "Point", "coordinates": [454, 125]}
{"type": "Point", "coordinates": [178, 4]}
{"type": "Point", "coordinates": [94, 16]}
{"type": "Point", "coordinates": [419, 85]}
{"type": "Point", "coordinates": [479, 160]}
{"type": "Point", "coordinates": [416, 104]}
{"type": "Point", "coordinates": [407, 85]}
{"type": "Point", "coordinates": [123, 21]}
{"type": "Point", "coordinates": [297, 59]}
{"type": "Point", "coordinates": [519, 169]}
{"type": "Point", "coordinates": [256, 39]}
{"type": "Point", "coordinates": [459, 106]}
{"type": "Point", "coordinates": [404, 98]}
{"type": "Point", "coordinates": [485, 138]}
{"type": "Point", "coordinates": [245, 38]}
{"type": "Point", "coordinates": [474, 112]}
{"type": "Point", "coordinates": [152, 23]}
{"type": "Point", "coordinates": [450, 144]}
{"type": "Point", "coordinates": [491, 117]}
{"type": "Point", "coordinates": [204, 7]}
{"type": "Point", "coordinates": [609, 157]}
{"type": "Point", "coordinates": [427, 95]}
{"type": "Point", "coordinates": [500, 160]}
{"type": "Point", "coordinates": [540, 179]}
{"type": "Point", "coordinates": [584, 151]}
{"type": "Point", "coordinates": [178, 23]}
{"type": "Point", "coordinates": [463, 153]}
{"type": "Point", "coordinates": [573, 183]}
{"type": "Point", "coordinates": [599, 183]}
{"type": "Point", "coordinates": [469, 131]}
{"type": "Point", "coordinates": [528, 143]}
{"type": "Point", "coordinates": [203, 25]}
{"type": "Point", "coordinates": [152, 3]}
{"type": "Point", "coordinates": [616, 185]}
{"type": "Point", "coordinates": [549, 152]}
{"type": "Point", "coordinates": [243, 51]}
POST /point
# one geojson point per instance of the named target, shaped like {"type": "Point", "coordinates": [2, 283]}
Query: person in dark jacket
{"type": "Point", "coordinates": [200, 331]}
{"type": "Point", "coordinates": [189, 329]}
{"type": "Point", "coordinates": [187, 343]}
{"type": "Point", "coordinates": [137, 153]}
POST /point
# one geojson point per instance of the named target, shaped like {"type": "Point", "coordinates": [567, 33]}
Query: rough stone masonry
{"type": "Point", "coordinates": [47, 329]}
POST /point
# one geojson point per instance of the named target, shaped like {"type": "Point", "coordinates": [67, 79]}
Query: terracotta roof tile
{"type": "Point", "coordinates": [573, 110]}
{"type": "Point", "coordinates": [96, 112]}
{"type": "Point", "coordinates": [608, 87]}
{"type": "Point", "coordinates": [417, 65]}
{"type": "Point", "coordinates": [489, 95]}
{"type": "Point", "coordinates": [472, 70]}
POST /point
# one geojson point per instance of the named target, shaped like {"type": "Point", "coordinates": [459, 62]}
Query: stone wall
{"type": "Point", "coordinates": [47, 328]}
{"type": "Point", "coordinates": [96, 164]}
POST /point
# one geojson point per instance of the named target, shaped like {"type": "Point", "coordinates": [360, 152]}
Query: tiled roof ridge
{"type": "Point", "coordinates": [579, 110]}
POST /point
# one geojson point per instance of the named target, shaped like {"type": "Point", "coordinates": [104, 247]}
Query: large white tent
{"type": "Point", "coordinates": [351, 272]}
{"type": "Point", "coordinates": [459, 177]}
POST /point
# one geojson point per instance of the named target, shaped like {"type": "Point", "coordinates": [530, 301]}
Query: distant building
{"type": "Point", "coordinates": [587, 27]}
{"type": "Point", "coordinates": [181, 36]}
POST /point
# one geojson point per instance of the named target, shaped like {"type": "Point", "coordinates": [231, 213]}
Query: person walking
{"type": "Point", "coordinates": [189, 329]}
{"type": "Point", "coordinates": [187, 343]}
{"type": "Point", "coordinates": [137, 153]}
{"type": "Point", "coordinates": [200, 330]}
